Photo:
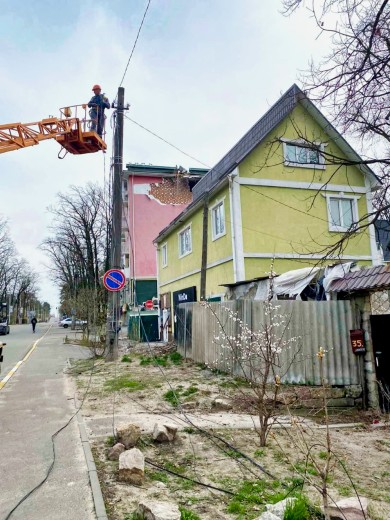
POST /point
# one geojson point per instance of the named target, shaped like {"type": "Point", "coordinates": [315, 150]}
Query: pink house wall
{"type": "Point", "coordinates": [147, 217]}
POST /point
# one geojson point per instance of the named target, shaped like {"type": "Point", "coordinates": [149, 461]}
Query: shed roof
{"type": "Point", "coordinates": [377, 277]}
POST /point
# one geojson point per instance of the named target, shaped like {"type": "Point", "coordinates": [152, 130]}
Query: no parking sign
{"type": "Point", "coordinates": [114, 280]}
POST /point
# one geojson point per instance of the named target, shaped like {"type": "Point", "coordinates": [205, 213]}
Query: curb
{"type": "Point", "coordinates": [98, 501]}
{"type": "Point", "coordinates": [97, 495]}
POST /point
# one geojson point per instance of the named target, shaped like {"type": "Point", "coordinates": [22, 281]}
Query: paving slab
{"type": "Point", "coordinates": [36, 402]}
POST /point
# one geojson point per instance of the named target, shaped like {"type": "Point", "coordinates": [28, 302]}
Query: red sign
{"type": "Point", "coordinates": [357, 341]}
{"type": "Point", "coordinates": [149, 304]}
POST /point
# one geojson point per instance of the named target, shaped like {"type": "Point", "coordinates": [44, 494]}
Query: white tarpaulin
{"type": "Point", "coordinates": [334, 273]}
{"type": "Point", "coordinates": [293, 282]}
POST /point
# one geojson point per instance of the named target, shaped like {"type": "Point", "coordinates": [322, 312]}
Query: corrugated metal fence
{"type": "Point", "coordinates": [315, 324]}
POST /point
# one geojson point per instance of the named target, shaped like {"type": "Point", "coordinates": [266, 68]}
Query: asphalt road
{"type": "Point", "coordinates": [34, 403]}
{"type": "Point", "coordinates": [19, 341]}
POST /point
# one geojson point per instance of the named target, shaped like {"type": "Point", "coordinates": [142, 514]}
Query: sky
{"type": "Point", "coordinates": [203, 72]}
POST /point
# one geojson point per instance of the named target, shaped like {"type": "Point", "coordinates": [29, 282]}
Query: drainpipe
{"type": "Point", "coordinates": [236, 227]}
{"type": "Point", "coordinates": [203, 269]}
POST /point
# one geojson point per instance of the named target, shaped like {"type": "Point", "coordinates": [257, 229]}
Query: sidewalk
{"type": "Point", "coordinates": [36, 402]}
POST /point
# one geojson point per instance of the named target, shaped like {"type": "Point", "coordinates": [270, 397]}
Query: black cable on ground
{"type": "Point", "coordinates": [161, 468]}
{"type": "Point", "coordinates": [53, 437]}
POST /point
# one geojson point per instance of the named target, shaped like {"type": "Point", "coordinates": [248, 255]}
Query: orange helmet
{"type": "Point", "coordinates": [95, 87]}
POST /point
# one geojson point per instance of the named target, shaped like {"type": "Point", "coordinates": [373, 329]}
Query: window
{"type": "Point", "coordinates": [218, 220]}
{"type": "Point", "coordinates": [342, 213]}
{"type": "Point", "coordinates": [164, 255]}
{"type": "Point", "coordinates": [305, 155]}
{"type": "Point", "coordinates": [185, 241]}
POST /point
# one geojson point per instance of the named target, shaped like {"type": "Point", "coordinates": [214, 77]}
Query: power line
{"type": "Point", "coordinates": [167, 142]}
{"type": "Point", "coordinates": [135, 43]}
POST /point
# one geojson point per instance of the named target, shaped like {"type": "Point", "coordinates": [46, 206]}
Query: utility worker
{"type": "Point", "coordinates": [97, 105]}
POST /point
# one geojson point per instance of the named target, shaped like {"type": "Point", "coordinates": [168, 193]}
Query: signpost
{"type": "Point", "coordinates": [114, 280]}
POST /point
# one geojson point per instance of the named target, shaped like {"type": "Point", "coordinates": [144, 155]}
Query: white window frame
{"type": "Point", "coordinates": [217, 203]}
{"type": "Point", "coordinates": [355, 212]}
{"type": "Point", "coordinates": [304, 144]}
{"type": "Point", "coordinates": [188, 226]}
{"type": "Point", "coordinates": [164, 255]}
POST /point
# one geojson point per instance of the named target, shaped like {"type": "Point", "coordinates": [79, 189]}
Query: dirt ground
{"type": "Point", "coordinates": [220, 447]}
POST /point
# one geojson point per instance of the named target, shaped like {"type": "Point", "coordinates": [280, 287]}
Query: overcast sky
{"type": "Point", "coordinates": [203, 72]}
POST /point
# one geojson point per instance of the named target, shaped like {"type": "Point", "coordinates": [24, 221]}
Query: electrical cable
{"type": "Point", "coordinates": [135, 44]}
{"type": "Point", "coordinates": [161, 468]}
{"type": "Point", "coordinates": [53, 437]}
{"type": "Point", "coordinates": [167, 142]}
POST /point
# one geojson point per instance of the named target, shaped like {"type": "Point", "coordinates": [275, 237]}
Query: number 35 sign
{"type": "Point", "coordinates": [357, 341]}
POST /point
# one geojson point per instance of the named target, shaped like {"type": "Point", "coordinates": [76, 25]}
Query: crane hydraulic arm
{"type": "Point", "coordinates": [70, 132]}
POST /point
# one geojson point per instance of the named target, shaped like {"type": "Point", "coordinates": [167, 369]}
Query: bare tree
{"type": "Point", "coordinates": [79, 250]}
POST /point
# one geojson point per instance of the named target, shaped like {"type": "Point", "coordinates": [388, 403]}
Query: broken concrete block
{"type": "Point", "coordinates": [221, 404]}
{"type": "Point", "coordinates": [158, 510]}
{"type": "Point", "coordinates": [115, 451]}
{"type": "Point", "coordinates": [268, 516]}
{"type": "Point", "coordinates": [164, 432]}
{"type": "Point", "coordinates": [132, 466]}
{"type": "Point", "coordinates": [128, 435]}
{"type": "Point", "coordinates": [349, 509]}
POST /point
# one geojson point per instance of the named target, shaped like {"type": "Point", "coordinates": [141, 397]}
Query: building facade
{"type": "Point", "coordinates": [280, 199]}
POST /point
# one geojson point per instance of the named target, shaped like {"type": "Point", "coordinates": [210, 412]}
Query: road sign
{"type": "Point", "coordinates": [114, 280]}
{"type": "Point", "coordinates": [148, 304]}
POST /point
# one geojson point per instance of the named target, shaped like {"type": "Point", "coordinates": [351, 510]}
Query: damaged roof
{"type": "Point", "coordinates": [377, 277]}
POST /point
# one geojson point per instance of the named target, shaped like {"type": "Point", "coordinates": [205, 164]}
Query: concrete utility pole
{"type": "Point", "coordinates": [116, 225]}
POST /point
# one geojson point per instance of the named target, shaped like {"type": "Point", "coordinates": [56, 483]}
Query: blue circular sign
{"type": "Point", "coordinates": [114, 280]}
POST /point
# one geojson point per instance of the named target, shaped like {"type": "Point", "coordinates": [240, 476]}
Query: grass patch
{"type": "Point", "coordinates": [110, 441]}
{"type": "Point", "coordinates": [123, 382]}
{"type": "Point", "coordinates": [160, 476]}
{"type": "Point", "coordinates": [164, 360]}
{"type": "Point", "coordinates": [126, 359]}
{"type": "Point", "coordinates": [186, 514]}
{"type": "Point", "coordinates": [259, 453]}
{"type": "Point", "coordinates": [190, 430]}
{"type": "Point", "coordinates": [173, 396]}
{"type": "Point", "coordinates": [156, 360]}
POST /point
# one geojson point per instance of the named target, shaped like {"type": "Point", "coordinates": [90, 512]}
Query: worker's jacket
{"type": "Point", "coordinates": [98, 104]}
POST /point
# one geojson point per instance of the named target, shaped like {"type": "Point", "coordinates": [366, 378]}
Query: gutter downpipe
{"type": "Point", "coordinates": [236, 227]}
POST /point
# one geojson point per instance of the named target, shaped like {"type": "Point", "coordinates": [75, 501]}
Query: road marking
{"type": "Point", "coordinates": [5, 380]}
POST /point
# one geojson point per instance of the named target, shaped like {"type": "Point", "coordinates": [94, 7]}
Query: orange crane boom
{"type": "Point", "coordinates": [70, 132]}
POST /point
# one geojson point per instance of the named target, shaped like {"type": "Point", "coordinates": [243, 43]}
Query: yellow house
{"type": "Point", "coordinates": [289, 190]}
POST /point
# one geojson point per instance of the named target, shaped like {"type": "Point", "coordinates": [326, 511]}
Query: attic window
{"type": "Point", "coordinates": [303, 154]}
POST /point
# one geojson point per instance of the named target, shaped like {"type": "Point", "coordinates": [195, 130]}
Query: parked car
{"type": "Point", "coordinates": [4, 327]}
{"type": "Point", "coordinates": [67, 322]}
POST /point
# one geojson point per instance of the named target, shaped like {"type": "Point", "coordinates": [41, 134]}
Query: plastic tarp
{"type": "Point", "coordinates": [294, 282]}
{"type": "Point", "coordinates": [334, 273]}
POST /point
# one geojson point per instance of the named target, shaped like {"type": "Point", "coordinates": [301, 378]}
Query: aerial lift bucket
{"type": "Point", "coordinates": [80, 139]}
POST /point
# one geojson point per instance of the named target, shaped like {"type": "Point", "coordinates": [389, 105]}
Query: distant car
{"type": "Point", "coordinates": [67, 322]}
{"type": "Point", "coordinates": [4, 327]}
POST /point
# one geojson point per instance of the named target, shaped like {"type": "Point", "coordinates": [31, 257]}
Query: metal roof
{"type": "Point", "coordinates": [377, 277]}
{"type": "Point", "coordinates": [255, 135]}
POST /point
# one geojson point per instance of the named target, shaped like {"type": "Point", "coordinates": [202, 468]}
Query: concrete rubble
{"type": "Point", "coordinates": [132, 466]}
{"type": "Point", "coordinates": [128, 435]}
{"type": "Point", "coordinates": [164, 432]}
{"type": "Point", "coordinates": [158, 510]}
{"type": "Point", "coordinates": [353, 508]}
{"type": "Point", "coordinates": [115, 451]}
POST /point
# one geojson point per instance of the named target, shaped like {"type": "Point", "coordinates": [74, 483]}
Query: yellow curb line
{"type": "Point", "coordinates": [5, 380]}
